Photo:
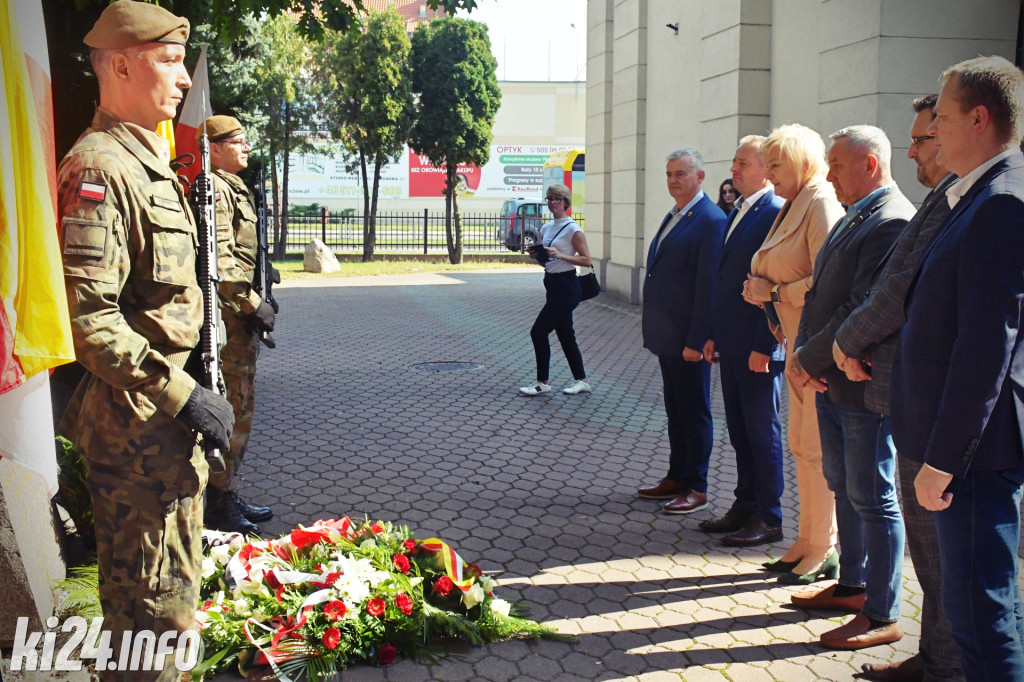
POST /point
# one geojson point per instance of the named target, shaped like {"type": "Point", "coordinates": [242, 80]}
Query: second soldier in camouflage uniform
{"type": "Point", "coordinates": [245, 316]}
{"type": "Point", "coordinates": [129, 248]}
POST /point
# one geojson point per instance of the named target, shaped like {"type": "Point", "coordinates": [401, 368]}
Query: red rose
{"type": "Point", "coordinates": [335, 610]}
{"type": "Point", "coordinates": [409, 545]}
{"type": "Point", "coordinates": [401, 563]}
{"type": "Point", "coordinates": [377, 528]}
{"type": "Point", "coordinates": [375, 607]}
{"type": "Point", "coordinates": [443, 585]}
{"type": "Point", "coordinates": [270, 578]}
{"type": "Point", "coordinates": [331, 638]}
{"type": "Point", "coordinates": [404, 603]}
{"type": "Point", "coordinates": [387, 654]}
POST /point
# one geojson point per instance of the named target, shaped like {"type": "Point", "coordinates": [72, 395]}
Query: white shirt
{"type": "Point", "coordinates": [677, 215]}
{"type": "Point", "coordinates": [957, 191]}
{"type": "Point", "coordinates": [563, 242]}
{"type": "Point", "coordinates": [744, 206]}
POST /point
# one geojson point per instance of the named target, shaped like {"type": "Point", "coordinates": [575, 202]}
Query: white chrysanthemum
{"type": "Point", "coordinates": [368, 543]}
{"type": "Point", "coordinates": [221, 554]}
{"type": "Point", "coordinates": [242, 607]}
{"type": "Point", "coordinates": [500, 606]}
{"type": "Point", "coordinates": [209, 567]}
{"type": "Point", "coordinates": [354, 589]}
{"type": "Point", "coordinates": [473, 596]}
{"type": "Point", "coordinates": [487, 583]}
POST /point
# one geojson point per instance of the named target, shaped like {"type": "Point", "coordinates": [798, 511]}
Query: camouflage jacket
{"type": "Point", "coordinates": [236, 243]}
{"type": "Point", "coordinates": [129, 247]}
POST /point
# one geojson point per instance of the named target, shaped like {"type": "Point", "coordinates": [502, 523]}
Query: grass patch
{"type": "Point", "coordinates": [292, 269]}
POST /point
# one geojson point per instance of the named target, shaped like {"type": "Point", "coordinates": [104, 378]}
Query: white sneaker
{"type": "Point", "coordinates": [538, 388]}
{"type": "Point", "coordinates": [579, 387]}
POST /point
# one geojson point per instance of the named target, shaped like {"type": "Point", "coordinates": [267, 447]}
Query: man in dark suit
{"type": "Point", "coordinates": [857, 453]}
{"type": "Point", "coordinates": [958, 379]}
{"type": "Point", "coordinates": [678, 292]}
{"type": "Point", "coordinates": [743, 346]}
{"type": "Point", "coordinates": [870, 333]}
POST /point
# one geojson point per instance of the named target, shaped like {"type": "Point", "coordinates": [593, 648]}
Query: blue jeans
{"type": "Point", "coordinates": [978, 538]}
{"type": "Point", "coordinates": [859, 462]}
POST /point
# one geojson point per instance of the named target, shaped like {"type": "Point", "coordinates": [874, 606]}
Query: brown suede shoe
{"type": "Point", "coordinates": [858, 634]}
{"type": "Point", "coordinates": [730, 523]}
{"type": "Point", "coordinates": [687, 503]}
{"type": "Point", "coordinates": [826, 600]}
{"type": "Point", "coordinates": [665, 490]}
{"type": "Point", "coordinates": [908, 670]}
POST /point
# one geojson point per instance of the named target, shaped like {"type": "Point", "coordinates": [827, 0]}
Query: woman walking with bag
{"type": "Point", "coordinates": [563, 246]}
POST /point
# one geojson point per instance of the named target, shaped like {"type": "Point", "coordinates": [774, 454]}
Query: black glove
{"type": "Point", "coordinates": [262, 319]}
{"type": "Point", "coordinates": [210, 414]}
{"type": "Point", "coordinates": [275, 275]}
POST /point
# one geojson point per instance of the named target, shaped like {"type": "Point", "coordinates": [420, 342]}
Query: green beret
{"type": "Point", "coordinates": [221, 128]}
{"type": "Point", "coordinates": [127, 22]}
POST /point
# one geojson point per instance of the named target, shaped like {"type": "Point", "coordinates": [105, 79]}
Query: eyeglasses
{"type": "Point", "coordinates": [240, 143]}
{"type": "Point", "coordinates": [550, 199]}
{"type": "Point", "coordinates": [916, 141]}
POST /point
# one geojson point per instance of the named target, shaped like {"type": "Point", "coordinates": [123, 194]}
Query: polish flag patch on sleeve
{"type": "Point", "coordinates": [93, 190]}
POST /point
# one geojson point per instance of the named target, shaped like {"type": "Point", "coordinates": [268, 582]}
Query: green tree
{"type": "Point", "coordinates": [367, 77]}
{"type": "Point", "coordinates": [458, 97]}
{"type": "Point", "coordinates": [286, 103]}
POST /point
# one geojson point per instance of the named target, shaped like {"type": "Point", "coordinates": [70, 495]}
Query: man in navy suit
{"type": "Point", "coordinates": [957, 387]}
{"type": "Point", "coordinates": [743, 346]}
{"type": "Point", "coordinates": [678, 291]}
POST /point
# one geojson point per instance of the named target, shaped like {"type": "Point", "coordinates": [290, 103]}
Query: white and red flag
{"type": "Point", "coordinates": [195, 110]}
{"type": "Point", "coordinates": [35, 330]}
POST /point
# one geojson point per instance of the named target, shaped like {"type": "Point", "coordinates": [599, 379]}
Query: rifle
{"type": "Point", "coordinates": [262, 282]}
{"type": "Point", "coordinates": [212, 334]}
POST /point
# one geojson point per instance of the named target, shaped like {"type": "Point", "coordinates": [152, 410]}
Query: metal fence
{"type": "Point", "coordinates": [342, 231]}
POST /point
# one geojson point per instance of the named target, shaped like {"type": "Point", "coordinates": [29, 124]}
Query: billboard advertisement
{"type": "Point", "coordinates": [512, 170]}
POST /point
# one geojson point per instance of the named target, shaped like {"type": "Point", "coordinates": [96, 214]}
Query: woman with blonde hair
{"type": "Point", "coordinates": [780, 277]}
{"type": "Point", "coordinates": [562, 247]}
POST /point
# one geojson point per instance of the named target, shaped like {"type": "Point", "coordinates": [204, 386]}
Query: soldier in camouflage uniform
{"type": "Point", "coordinates": [244, 313]}
{"type": "Point", "coordinates": [129, 247]}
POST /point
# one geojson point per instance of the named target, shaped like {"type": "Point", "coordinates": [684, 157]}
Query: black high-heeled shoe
{"type": "Point", "coordinates": [779, 566]}
{"type": "Point", "coordinates": [829, 570]}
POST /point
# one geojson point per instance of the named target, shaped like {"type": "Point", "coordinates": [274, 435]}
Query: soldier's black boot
{"type": "Point", "coordinates": [253, 512]}
{"type": "Point", "coordinates": [222, 513]}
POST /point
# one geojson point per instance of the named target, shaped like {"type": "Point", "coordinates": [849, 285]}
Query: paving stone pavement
{"type": "Point", "coordinates": [540, 492]}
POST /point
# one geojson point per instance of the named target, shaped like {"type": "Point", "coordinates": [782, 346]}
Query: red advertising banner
{"type": "Point", "coordinates": [426, 180]}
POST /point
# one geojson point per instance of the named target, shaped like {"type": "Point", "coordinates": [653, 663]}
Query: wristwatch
{"type": "Point", "coordinates": [775, 294]}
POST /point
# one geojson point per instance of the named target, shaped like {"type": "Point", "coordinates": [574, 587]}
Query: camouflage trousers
{"type": "Point", "coordinates": [238, 363]}
{"type": "Point", "coordinates": [147, 478]}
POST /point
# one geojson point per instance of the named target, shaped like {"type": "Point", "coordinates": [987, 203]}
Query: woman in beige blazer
{"type": "Point", "coordinates": [781, 275]}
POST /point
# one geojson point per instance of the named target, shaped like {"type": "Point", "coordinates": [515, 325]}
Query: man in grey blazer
{"type": "Point", "coordinates": [869, 335]}
{"type": "Point", "coordinates": [857, 452]}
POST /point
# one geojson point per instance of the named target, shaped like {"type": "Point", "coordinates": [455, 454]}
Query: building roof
{"type": "Point", "coordinates": [414, 12]}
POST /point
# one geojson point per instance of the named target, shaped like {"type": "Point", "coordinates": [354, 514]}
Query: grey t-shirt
{"type": "Point", "coordinates": [563, 242]}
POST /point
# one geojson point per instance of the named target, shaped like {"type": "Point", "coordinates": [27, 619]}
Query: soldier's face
{"type": "Point", "coordinates": [231, 154]}
{"type": "Point", "coordinates": [158, 80]}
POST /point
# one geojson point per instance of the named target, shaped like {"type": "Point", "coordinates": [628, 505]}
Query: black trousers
{"type": "Point", "coordinates": [563, 295]}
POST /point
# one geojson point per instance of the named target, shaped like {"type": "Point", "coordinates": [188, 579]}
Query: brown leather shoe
{"type": "Point", "coordinates": [826, 600]}
{"type": "Point", "coordinates": [665, 490]}
{"type": "Point", "coordinates": [754, 532]}
{"type": "Point", "coordinates": [730, 523]}
{"type": "Point", "coordinates": [858, 634]}
{"type": "Point", "coordinates": [687, 503]}
{"type": "Point", "coordinates": [908, 670]}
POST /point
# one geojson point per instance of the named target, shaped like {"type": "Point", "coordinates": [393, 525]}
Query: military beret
{"type": "Point", "coordinates": [127, 22]}
{"type": "Point", "coordinates": [221, 128]}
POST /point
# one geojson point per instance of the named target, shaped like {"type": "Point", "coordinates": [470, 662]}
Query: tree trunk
{"type": "Point", "coordinates": [368, 235]}
{"type": "Point", "coordinates": [378, 163]}
{"type": "Point", "coordinates": [449, 184]}
{"type": "Point", "coordinates": [458, 225]}
{"type": "Point", "coordinates": [284, 183]}
{"type": "Point", "coordinates": [276, 216]}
